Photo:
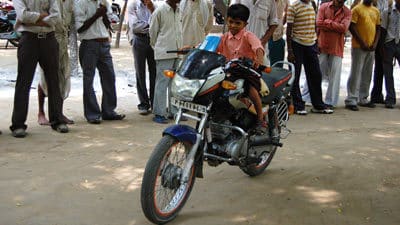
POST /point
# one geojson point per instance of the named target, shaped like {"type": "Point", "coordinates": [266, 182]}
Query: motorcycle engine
{"type": "Point", "coordinates": [220, 132]}
{"type": "Point", "coordinates": [227, 142]}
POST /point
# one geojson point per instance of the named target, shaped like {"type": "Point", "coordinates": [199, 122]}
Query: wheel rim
{"type": "Point", "coordinates": [264, 159]}
{"type": "Point", "coordinates": [169, 192]}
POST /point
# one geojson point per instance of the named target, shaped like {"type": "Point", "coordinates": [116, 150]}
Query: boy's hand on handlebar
{"type": "Point", "coordinates": [256, 65]}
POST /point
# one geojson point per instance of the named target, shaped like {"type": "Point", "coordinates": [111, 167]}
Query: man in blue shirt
{"type": "Point", "coordinates": [139, 13]}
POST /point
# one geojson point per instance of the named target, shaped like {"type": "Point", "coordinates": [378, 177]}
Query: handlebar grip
{"type": "Point", "coordinates": [262, 67]}
{"type": "Point", "coordinates": [178, 51]}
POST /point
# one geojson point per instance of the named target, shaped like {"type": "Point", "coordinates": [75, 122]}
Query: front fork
{"type": "Point", "coordinates": [190, 159]}
{"type": "Point", "coordinates": [194, 151]}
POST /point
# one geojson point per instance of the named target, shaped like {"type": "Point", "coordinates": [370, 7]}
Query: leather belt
{"type": "Point", "coordinates": [100, 40]}
{"type": "Point", "coordinates": [142, 35]}
{"type": "Point", "coordinates": [40, 35]}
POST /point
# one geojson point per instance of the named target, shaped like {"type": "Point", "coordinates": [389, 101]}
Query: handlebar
{"type": "Point", "coordinates": [247, 64]}
{"type": "Point", "coordinates": [179, 51]}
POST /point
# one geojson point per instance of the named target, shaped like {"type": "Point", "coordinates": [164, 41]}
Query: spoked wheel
{"type": "Point", "coordinates": [266, 158]}
{"type": "Point", "coordinates": [268, 151]}
{"type": "Point", "coordinates": [163, 192]}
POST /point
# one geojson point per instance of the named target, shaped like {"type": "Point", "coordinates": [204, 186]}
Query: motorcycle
{"type": "Point", "coordinates": [7, 32]}
{"type": "Point", "coordinates": [219, 11]}
{"type": "Point", "coordinates": [116, 13]}
{"type": "Point", "coordinates": [202, 90]}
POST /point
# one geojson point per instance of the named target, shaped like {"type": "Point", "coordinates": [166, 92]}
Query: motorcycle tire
{"type": "Point", "coordinates": [257, 169]}
{"type": "Point", "coordinates": [266, 157]}
{"type": "Point", "coordinates": [162, 193]}
{"type": "Point", "coordinates": [14, 42]}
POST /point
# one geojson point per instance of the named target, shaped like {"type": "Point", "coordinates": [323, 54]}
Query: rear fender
{"type": "Point", "coordinates": [182, 133]}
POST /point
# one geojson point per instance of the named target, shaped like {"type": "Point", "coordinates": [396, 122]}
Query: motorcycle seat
{"type": "Point", "coordinates": [277, 82]}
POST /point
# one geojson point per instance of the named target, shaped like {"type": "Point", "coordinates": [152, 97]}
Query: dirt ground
{"type": "Point", "coordinates": [333, 169]}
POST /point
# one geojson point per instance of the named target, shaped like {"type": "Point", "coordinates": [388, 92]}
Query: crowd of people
{"type": "Point", "coordinates": [315, 39]}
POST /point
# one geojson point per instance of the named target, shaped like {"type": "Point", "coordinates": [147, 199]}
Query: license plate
{"type": "Point", "coordinates": [188, 105]}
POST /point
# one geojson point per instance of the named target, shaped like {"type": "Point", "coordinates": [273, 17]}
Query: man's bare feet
{"type": "Point", "coordinates": [67, 121]}
{"type": "Point", "coordinates": [42, 120]}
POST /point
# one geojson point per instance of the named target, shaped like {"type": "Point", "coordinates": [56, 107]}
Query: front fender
{"type": "Point", "coordinates": [182, 133]}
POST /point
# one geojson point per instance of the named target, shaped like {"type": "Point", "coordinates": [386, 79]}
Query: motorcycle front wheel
{"type": "Point", "coordinates": [163, 194]}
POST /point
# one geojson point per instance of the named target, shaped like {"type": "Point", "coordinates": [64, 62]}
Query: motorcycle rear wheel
{"type": "Point", "coordinates": [162, 193]}
{"type": "Point", "coordinates": [257, 169]}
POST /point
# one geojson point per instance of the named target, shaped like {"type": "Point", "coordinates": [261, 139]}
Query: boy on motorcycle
{"type": "Point", "coordinates": [239, 42]}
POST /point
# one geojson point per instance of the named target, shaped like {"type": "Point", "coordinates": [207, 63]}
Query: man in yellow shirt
{"type": "Point", "coordinates": [364, 27]}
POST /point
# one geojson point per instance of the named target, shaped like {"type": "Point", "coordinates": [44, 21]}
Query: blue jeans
{"type": "Point", "coordinates": [92, 55]}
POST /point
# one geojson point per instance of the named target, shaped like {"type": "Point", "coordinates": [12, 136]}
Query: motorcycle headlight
{"type": "Point", "coordinates": [185, 89]}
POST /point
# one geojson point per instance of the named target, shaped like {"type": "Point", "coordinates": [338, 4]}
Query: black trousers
{"type": "Point", "coordinates": [376, 93]}
{"type": "Point", "coordinates": [308, 57]}
{"type": "Point", "coordinates": [384, 69]}
{"type": "Point", "coordinates": [142, 52]}
{"type": "Point", "coordinates": [35, 49]}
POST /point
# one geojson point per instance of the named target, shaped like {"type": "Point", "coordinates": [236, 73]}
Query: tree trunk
{"type": "Point", "coordinates": [121, 22]}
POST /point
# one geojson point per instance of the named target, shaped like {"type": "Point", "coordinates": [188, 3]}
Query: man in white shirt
{"type": "Point", "coordinates": [94, 52]}
{"type": "Point", "coordinates": [139, 13]}
{"type": "Point", "coordinates": [197, 20]}
{"type": "Point", "coordinates": [62, 29]}
{"type": "Point", "coordinates": [263, 20]}
{"type": "Point", "coordinates": [36, 20]}
{"type": "Point", "coordinates": [165, 34]}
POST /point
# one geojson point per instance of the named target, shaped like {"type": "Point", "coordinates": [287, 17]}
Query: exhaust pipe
{"type": "Point", "coordinates": [260, 140]}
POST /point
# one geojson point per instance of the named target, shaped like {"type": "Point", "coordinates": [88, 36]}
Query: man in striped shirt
{"type": "Point", "coordinates": [302, 50]}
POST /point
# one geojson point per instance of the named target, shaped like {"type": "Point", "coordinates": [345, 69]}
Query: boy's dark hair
{"type": "Point", "coordinates": [239, 11]}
